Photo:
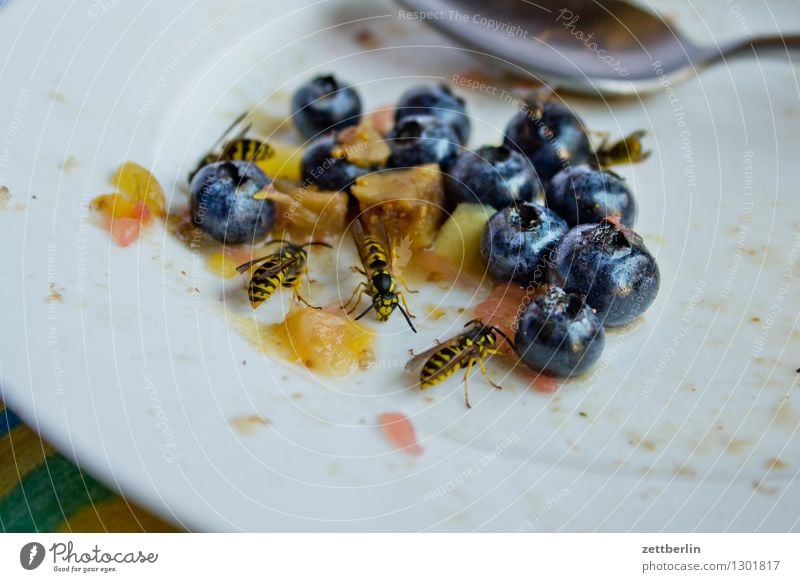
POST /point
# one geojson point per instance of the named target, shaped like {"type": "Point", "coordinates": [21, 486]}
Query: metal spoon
{"type": "Point", "coordinates": [605, 46]}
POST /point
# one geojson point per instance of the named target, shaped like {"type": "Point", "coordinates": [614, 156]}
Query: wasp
{"type": "Point", "coordinates": [235, 147]}
{"type": "Point", "coordinates": [628, 150]}
{"type": "Point", "coordinates": [477, 342]}
{"type": "Point", "coordinates": [375, 252]}
{"type": "Point", "coordinates": [283, 268]}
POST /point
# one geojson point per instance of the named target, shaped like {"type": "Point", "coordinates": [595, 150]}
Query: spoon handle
{"type": "Point", "coordinates": [762, 45]}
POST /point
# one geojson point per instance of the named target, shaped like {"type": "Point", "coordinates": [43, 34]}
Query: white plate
{"type": "Point", "coordinates": [691, 419]}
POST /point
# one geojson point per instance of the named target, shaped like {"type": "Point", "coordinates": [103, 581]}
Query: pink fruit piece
{"type": "Point", "coordinates": [400, 432]}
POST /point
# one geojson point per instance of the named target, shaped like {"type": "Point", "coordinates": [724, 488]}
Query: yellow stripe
{"type": "Point", "coordinates": [114, 515]}
{"type": "Point", "coordinates": [25, 451]}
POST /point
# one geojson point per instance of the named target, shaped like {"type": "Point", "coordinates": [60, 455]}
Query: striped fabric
{"type": "Point", "coordinates": [41, 491]}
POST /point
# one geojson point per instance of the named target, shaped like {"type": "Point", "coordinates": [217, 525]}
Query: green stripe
{"type": "Point", "coordinates": [48, 495]}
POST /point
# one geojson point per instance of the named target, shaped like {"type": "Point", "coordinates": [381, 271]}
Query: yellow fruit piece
{"type": "Point", "coordinates": [114, 205]}
{"type": "Point", "coordinates": [459, 239]}
{"type": "Point", "coordinates": [140, 185]}
{"type": "Point", "coordinates": [327, 343]}
{"type": "Point", "coordinates": [407, 202]}
{"type": "Point", "coordinates": [223, 265]}
{"type": "Point", "coordinates": [363, 145]}
{"type": "Point", "coordinates": [306, 214]}
{"type": "Point", "coordinates": [283, 163]}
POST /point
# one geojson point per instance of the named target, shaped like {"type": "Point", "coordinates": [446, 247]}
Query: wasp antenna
{"type": "Point", "coordinates": [227, 132]}
{"type": "Point", "coordinates": [277, 240]}
{"type": "Point", "coordinates": [505, 337]}
{"type": "Point", "coordinates": [244, 130]}
{"type": "Point", "coordinates": [408, 319]}
{"type": "Point", "coordinates": [317, 244]}
{"type": "Point", "coordinates": [367, 310]}
{"type": "Point", "coordinates": [473, 321]}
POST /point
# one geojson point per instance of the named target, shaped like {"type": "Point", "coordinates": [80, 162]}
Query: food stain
{"type": "Point", "coordinates": [436, 312]}
{"type": "Point", "coordinates": [69, 164]}
{"type": "Point", "coordinates": [56, 96]}
{"type": "Point", "coordinates": [54, 294]}
{"type": "Point", "coordinates": [775, 464]}
{"type": "Point", "coordinates": [366, 39]}
{"type": "Point", "coordinates": [397, 428]}
{"type": "Point", "coordinates": [760, 487]}
{"type": "Point", "coordinates": [247, 425]}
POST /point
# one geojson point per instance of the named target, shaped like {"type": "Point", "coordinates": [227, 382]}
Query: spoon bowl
{"type": "Point", "coordinates": [612, 48]}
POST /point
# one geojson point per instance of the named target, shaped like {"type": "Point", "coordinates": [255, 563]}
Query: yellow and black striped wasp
{"type": "Point", "coordinates": [471, 346]}
{"type": "Point", "coordinates": [628, 150]}
{"type": "Point", "coordinates": [235, 147]}
{"type": "Point", "coordinates": [375, 251]}
{"type": "Point", "coordinates": [283, 268]}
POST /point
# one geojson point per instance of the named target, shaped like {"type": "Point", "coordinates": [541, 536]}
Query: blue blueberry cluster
{"type": "Point", "coordinates": [563, 224]}
{"type": "Point", "coordinates": [592, 270]}
{"type": "Point", "coordinates": [431, 126]}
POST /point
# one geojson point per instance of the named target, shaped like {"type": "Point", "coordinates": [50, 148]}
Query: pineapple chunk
{"type": "Point", "coordinates": [306, 213]}
{"type": "Point", "coordinates": [362, 145]}
{"type": "Point", "coordinates": [324, 342]}
{"type": "Point", "coordinates": [283, 163]}
{"type": "Point", "coordinates": [327, 343]}
{"type": "Point", "coordinates": [459, 239]}
{"type": "Point", "coordinates": [141, 186]}
{"type": "Point", "coordinates": [114, 206]}
{"type": "Point", "coordinates": [407, 202]}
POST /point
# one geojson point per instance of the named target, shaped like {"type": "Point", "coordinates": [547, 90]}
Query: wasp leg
{"type": "Point", "coordinates": [466, 377]}
{"type": "Point", "coordinates": [405, 305]}
{"type": "Point", "coordinates": [405, 285]}
{"type": "Point", "coordinates": [299, 297]}
{"type": "Point", "coordinates": [360, 290]}
{"type": "Point", "coordinates": [486, 375]}
{"type": "Point", "coordinates": [358, 270]}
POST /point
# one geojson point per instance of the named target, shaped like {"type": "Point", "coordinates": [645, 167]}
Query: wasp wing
{"type": "Point", "coordinates": [279, 266]}
{"type": "Point", "coordinates": [417, 363]}
{"type": "Point", "coordinates": [378, 230]}
{"type": "Point", "coordinates": [362, 244]}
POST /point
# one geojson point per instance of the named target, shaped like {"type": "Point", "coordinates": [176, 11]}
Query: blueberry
{"type": "Point", "coordinates": [323, 164]}
{"type": "Point", "coordinates": [518, 241]}
{"type": "Point", "coordinates": [550, 135]}
{"type": "Point", "coordinates": [559, 335]}
{"type": "Point", "coordinates": [439, 101]}
{"type": "Point", "coordinates": [610, 265]}
{"type": "Point", "coordinates": [422, 139]}
{"type": "Point", "coordinates": [222, 202]}
{"type": "Point", "coordinates": [582, 194]}
{"type": "Point", "coordinates": [324, 104]}
{"type": "Point", "coordinates": [493, 175]}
